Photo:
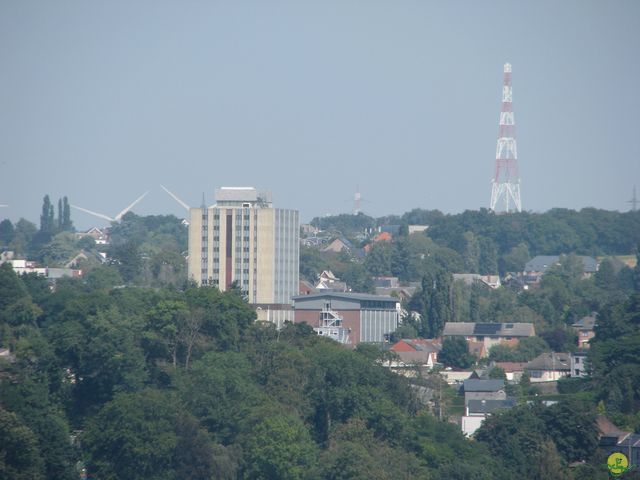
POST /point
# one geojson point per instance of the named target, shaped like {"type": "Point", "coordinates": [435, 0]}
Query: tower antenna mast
{"type": "Point", "coordinates": [634, 200]}
{"type": "Point", "coordinates": [505, 186]}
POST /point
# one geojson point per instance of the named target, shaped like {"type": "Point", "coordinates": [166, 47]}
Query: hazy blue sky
{"type": "Point", "coordinates": [101, 101]}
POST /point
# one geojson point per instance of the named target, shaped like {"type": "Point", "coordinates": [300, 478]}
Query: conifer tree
{"type": "Point", "coordinates": [67, 224]}
{"type": "Point", "coordinates": [59, 225]}
{"type": "Point", "coordinates": [46, 218]}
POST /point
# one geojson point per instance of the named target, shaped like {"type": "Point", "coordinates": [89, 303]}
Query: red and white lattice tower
{"type": "Point", "coordinates": [505, 187]}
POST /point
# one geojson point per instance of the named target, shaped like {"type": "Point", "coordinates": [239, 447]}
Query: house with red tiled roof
{"type": "Point", "coordinates": [380, 237]}
{"type": "Point", "coordinates": [417, 351]}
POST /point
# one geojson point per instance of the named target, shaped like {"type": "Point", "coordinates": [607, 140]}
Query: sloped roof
{"type": "Point", "coordinates": [511, 367]}
{"type": "Point", "coordinates": [542, 262]}
{"type": "Point", "coordinates": [488, 329]}
{"type": "Point", "coordinates": [477, 385]}
{"type": "Point", "coordinates": [417, 345]}
{"type": "Point", "coordinates": [416, 357]}
{"type": "Point", "coordinates": [348, 296]}
{"type": "Point", "coordinates": [550, 361]}
{"type": "Point", "coordinates": [489, 406]}
{"type": "Point", "coordinates": [607, 428]}
{"type": "Point", "coordinates": [587, 323]}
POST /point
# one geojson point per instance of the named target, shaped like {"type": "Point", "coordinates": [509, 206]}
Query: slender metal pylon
{"type": "Point", "coordinates": [505, 187]}
{"type": "Point", "coordinates": [634, 200]}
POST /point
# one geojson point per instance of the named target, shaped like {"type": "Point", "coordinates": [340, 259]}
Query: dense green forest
{"type": "Point", "coordinates": [471, 242]}
{"type": "Point", "coordinates": [589, 231]}
{"type": "Point", "coordinates": [164, 384]}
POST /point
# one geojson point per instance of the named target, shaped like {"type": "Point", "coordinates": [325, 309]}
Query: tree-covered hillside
{"type": "Point", "coordinates": [165, 384]}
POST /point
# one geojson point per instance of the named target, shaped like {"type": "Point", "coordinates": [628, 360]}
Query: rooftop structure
{"type": "Point", "coordinates": [470, 329]}
{"type": "Point", "coordinates": [479, 385]}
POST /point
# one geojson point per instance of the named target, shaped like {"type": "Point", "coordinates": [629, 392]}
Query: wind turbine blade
{"type": "Point", "coordinates": [175, 197]}
{"type": "Point", "coordinates": [119, 216]}
{"type": "Point", "coordinates": [95, 214]}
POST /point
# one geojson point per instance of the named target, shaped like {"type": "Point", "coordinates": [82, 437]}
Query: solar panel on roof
{"type": "Point", "coordinates": [486, 328]}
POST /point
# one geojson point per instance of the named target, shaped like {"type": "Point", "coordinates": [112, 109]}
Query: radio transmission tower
{"type": "Point", "coordinates": [505, 187]}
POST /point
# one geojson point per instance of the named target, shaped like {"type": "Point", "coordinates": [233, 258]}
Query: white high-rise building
{"type": "Point", "coordinates": [243, 239]}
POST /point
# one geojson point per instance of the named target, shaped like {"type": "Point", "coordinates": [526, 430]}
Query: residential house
{"type": "Point", "coordinates": [22, 267]}
{"type": "Point", "coordinates": [380, 237]}
{"type": "Point", "coordinates": [613, 439]}
{"type": "Point", "coordinates": [489, 334]}
{"type": "Point", "coordinates": [491, 281]}
{"type": "Point", "coordinates": [585, 327]}
{"type": "Point", "coordinates": [478, 389]}
{"type": "Point", "coordinates": [386, 282]}
{"type": "Point", "coordinates": [549, 367]}
{"type": "Point", "coordinates": [578, 364]}
{"type": "Point", "coordinates": [99, 235]}
{"type": "Point", "coordinates": [537, 266]}
{"type": "Point", "coordinates": [512, 370]}
{"type": "Point", "coordinates": [338, 245]}
{"type": "Point", "coordinates": [328, 282]}
{"type": "Point", "coordinates": [391, 286]}
{"type": "Point", "coordinates": [306, 288]}
{"type": "Point", "coordinates": [416, 352]}
{"type": "Point", "coordinates": [476, 411]}
{"type": "Point", "coordinates": [455, 377]}
{"type": "Point", "coordinates": [417, 229]}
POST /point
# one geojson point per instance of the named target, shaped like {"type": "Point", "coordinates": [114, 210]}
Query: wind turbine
{"type": "Point", "coordinates": [175, 197]}
{"type": "Point", "coordinates": [107, 217]}
{"type": "Point", "coordinates": [182, 203]}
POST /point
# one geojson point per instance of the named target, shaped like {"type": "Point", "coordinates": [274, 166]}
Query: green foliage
{"type": "Point", "coordinates": [497, 373]}
{"type": "Point", "coordinates": [615, 356]}
{"type": "Point", "coordinates": [47, 225]}
{"type": "Point", "coordinates": [146, 435]}
{"type": "Point", "coordinates": [19, 453]}
{"type": "Point", "coordinates": [433, 302]}
{"type": "Point", "coordinates": [515, 259]}
{"type": "Point", "coordinates": [539, 440]}
{"type": "Point", "coordinates": [344, 223]}
{"type": "Point", "coordinates": [280, 446]}
{"type": "Point", "coordinates": [455, 353]}
{"type": "Point", "coordinates": [355, 453]}
{"type": "Point", "coordinates": [379, 259]}
{"type": "Point", "coordinates": [24, 235]}
{"type": "Point", "coordinates": [357, 278]}
{"type": "Point", "coordinates": [588, 232]}
{"type": "Point", "coordinates": [61, 249]}
{"type": "Point", "coordinates": [527, 349]}
{"type": "Point", "coordinates": [7, 232]}
{"type": "Point", "coordinates": [11, 288]}
{"type": "Point", "coordinates": [103, 277]}
{"type": "Point", "coordinates": [561, 339]}
{"type": "Point", "coordinates": [405, 330]}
